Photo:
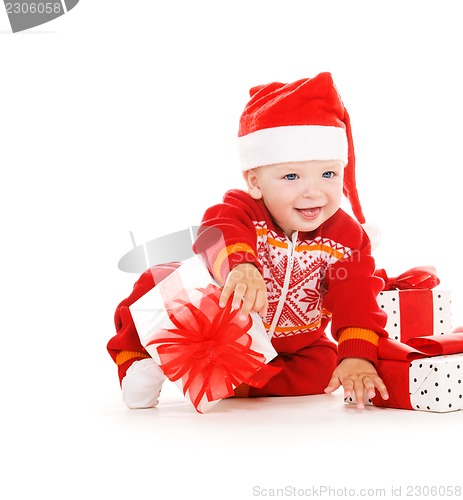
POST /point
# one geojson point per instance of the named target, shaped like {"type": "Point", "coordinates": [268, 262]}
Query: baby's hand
{"type": "Point", "coordinates": [357, 376]}
{"type": "Point", "coordinates": [247, 285]}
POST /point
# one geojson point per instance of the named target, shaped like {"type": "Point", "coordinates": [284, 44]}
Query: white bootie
{"type": "Point", "coordinates": [142, 384]}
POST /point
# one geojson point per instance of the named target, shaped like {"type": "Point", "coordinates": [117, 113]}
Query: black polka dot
{"type": "Point", "coordinates": [437, 399]}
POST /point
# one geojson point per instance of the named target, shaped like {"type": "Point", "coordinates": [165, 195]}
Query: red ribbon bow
{"type": "Point", "coordinates": [210, 349]}
{"type": "Point", "coordinates": [424, 277]}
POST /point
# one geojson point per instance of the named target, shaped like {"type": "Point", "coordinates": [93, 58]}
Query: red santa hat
{"type": "Point", "coordinates": [300, 121]}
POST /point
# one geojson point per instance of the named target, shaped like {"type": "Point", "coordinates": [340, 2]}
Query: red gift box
{"type": "Point", "coordinates": [413, 305]}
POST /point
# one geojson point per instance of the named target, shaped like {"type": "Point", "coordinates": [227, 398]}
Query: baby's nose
{"type": "Point", "coordinates": [311, 190]}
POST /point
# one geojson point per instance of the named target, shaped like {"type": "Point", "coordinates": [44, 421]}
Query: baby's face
{"type": "Point", "coordinates": [299, 195]}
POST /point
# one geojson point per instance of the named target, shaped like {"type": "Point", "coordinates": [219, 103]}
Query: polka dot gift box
{"type": "Point", "coordinates": [414, 307]}
{"type": "Point", "coordinates": [426, 374]}
{"type": "Point", "coordinates": [435, 384]}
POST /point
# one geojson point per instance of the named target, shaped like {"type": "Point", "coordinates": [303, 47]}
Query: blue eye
{"type": "Point", "coordinates": [291, 177]}
{"type": "Point", "coordinates": [328, 175]}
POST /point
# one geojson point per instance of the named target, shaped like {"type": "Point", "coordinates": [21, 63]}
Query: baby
{"type": "Point", "coordinates": [287, 251]}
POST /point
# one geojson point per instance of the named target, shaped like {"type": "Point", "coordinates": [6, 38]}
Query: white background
{"type": "Point", "coordinates": [122, 116]}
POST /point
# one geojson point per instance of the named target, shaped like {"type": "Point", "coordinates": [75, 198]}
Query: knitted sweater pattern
{"type": "Point", "coordinates": [311, 279]}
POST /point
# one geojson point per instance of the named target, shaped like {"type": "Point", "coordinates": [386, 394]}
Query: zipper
{"type": "Point", "coordinates": [284, 291]}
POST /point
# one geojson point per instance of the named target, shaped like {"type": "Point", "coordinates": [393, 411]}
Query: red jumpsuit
{"type": "Point", "coordinates": [314, 278]}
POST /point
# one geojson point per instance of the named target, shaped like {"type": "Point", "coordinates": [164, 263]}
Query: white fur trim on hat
{"type": "Point", "coordinates": [292, 143]}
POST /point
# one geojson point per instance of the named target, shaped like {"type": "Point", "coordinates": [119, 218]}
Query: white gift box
{"type": "Point", "coordinates": [413, 313]}
{"type": "Point", "coordinates": [151, 317]}
{"type": "Point", "coordinates": [436, 384]}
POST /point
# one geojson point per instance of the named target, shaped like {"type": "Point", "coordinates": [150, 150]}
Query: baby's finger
{"type": "Point", "coordinates": [334, 384]}
{"type": "Point", "coordinates": [381, 387]}
{"type": "Point", "coordinates": [225, 295]}
{"type": "Point", "coordinates": [238, 295]}
{"type": "Point", "coordinates": [348, 386]}
{"type": "Point", "coordinates": [261, 303]}
{"type": "Point", "coordinates": [248, 304]}
{"type": "Point", "coordinates": [359, 391]}
{"type": "Point", "coordinates": [369, 384]}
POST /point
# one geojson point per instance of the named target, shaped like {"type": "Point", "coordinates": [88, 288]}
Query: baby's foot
{"type": "Point", "coordinates": [142, 384]}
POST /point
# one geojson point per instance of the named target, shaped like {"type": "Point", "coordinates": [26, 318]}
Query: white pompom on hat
{"type": "Point", "coordinates": [299, 121]}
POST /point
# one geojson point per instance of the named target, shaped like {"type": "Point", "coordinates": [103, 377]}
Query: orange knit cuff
{"type": "Point", "coordinates": [358, 343]}
{"type": "Point", "coordinates": [125, 356]}
{"type": "Point", "coordinates": [358, 334]}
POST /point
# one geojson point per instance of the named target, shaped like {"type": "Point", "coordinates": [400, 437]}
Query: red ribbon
{"type": "Point", "coordinates": [210, 349]}
{"type": "Point", "coordinates": [424, 277]}
{"type": "Point", "coordinates": [416, 299]}
{"type": "Point", "coordinates": [394, 360]}
{"type": "Point", "coordinates": [420, 347]}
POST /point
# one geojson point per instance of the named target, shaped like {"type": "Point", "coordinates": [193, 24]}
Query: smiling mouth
{"type": "Point", "coordinates": [309, 213]}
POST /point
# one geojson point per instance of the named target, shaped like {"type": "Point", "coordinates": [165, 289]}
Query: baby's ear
{"type": "Point", "coordinates": [252, 181]}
